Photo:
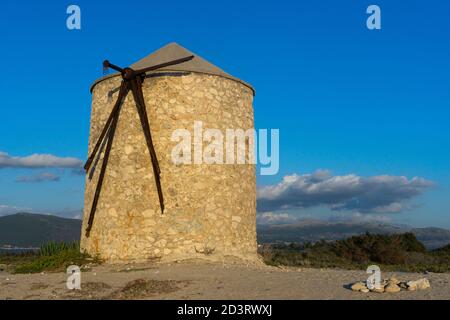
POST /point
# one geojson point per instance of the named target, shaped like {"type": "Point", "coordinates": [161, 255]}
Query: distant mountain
{"type": "Point", "coordinates": [432, 238]}
{"type": "Point", "coordinates": [316, 230]}
{"type": "Point", "coordinates": [31, 230]}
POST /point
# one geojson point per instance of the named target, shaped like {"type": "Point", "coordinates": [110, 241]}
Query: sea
{"type": "Point", "coordinates": [17, 250]}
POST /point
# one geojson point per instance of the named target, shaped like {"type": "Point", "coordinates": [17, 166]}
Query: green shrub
{"type": "Point", "coordinates": [52, 248]}
{"type": "Point", "coordinates": [443, 251]}
{"type": "Point", "coordinates": [398, 252]}
{"type": "Point", "coordinates": [55, 257]}
{"type": "Point", "coordinates": [409, 242]}
{"type": "Point", "coordinates": [383, 249]}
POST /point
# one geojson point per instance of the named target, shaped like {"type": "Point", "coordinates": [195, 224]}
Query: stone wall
{"type": "Point", "coordinates": [210, 210]}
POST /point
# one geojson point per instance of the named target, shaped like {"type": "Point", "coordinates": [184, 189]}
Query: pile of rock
{"type": "Point", "coordinates": [393, 285]}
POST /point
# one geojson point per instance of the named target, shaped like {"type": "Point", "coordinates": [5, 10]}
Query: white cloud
{"type": "Point", "coordinates": [41, 177]}
{"type": "Point", "coordinates": [377, 194]}
{"type": "Point", "coordinates": [39, 161]}
{"type": "Point", "coordinates": [357, 218]}
{"type": "Point", "coordinates": [273, 218]}
{"type": "Point", "coordinates": [7, 210]}
{"type": "Point", "coordinates": [64, 212]}
{"type": "Point", "coordinates": [69, 213]}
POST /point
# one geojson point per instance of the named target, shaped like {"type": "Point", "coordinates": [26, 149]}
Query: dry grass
{"type": "Point", "coordinates": [142, 288]}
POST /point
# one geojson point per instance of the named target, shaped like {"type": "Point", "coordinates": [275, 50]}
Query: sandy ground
{"type": "Point", "coordinates": [200, 280]}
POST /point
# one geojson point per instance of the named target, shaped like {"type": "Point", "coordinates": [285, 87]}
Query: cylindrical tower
{"type": "Point", "coordinates": [210, 209]}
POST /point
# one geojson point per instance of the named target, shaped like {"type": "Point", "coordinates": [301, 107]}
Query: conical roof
{"type": "Point", "coordinates": [174, 51]}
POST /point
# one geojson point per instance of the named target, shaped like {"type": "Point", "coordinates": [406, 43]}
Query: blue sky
{"type": "Point", "coordinates": [346, 99]}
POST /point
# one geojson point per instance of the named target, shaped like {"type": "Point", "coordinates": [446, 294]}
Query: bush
{"type": "Point", "coordinates": [383, 249]}
{"type": "Point", "coordinates": [409, 243]}
{"type": "Point", "coordinates": [443, 251]}
{"type": "Point", "coordinates": [53, 248]}
{"type": "Point", "coordinates": [55, 257]}
{"type": "Point", "coordinates": [398, 252]}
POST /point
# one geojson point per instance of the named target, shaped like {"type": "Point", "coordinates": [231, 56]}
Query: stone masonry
{"type": "Point", "coordinates": [210, 209]}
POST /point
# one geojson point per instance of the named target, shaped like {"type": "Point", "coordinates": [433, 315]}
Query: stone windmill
{"type": "Point", "coordinates": [139, 204]}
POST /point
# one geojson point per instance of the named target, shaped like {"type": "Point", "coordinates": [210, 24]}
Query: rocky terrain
{"type": "Point", "coordinates": [201, 280]}
{"type": "Point", "coordinates": [392, 285]}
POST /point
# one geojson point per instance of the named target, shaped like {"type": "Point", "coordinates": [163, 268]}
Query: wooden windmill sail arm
{"type": "Point", "coordinates": [136, 89]}
{"type": "Point", "coordinates": [165, 64]}
{"type": "Point", "coordinates": [107, 64]}
{"type": "Point", "coordinates": [132, 80]}
{"type": "Point", "coordinates": [122, 93]}
{"type": "Point", "coordinates": [111, 134]}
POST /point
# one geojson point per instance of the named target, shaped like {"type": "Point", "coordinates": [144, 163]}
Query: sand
{"type": "Point", "coordinates": [201, 280]}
